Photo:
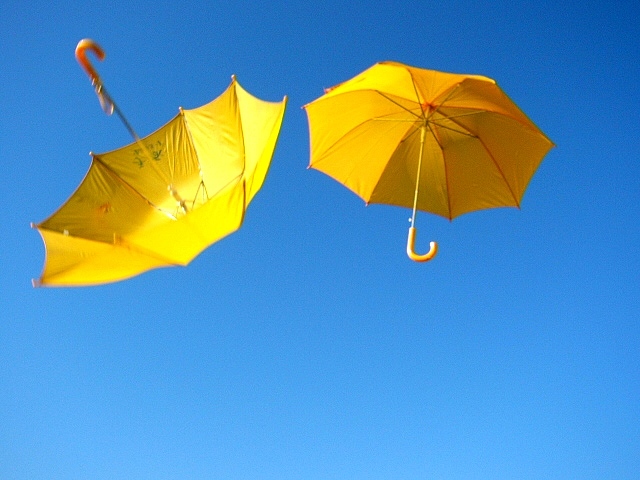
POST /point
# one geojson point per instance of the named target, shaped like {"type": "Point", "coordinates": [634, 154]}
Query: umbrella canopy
{"type": "Point", "coordinates": [163, 199]}
{"type": "Point", "coordinates": [438, 142]}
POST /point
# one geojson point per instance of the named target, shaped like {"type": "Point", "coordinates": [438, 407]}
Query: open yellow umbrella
{"type": "Point", "coordinates": [164, 198]}
{"type": "Point", "coordinates": [438, 142]}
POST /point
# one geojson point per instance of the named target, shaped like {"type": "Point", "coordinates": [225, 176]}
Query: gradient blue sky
{"type": "Point", "coordinates": [306, 345]}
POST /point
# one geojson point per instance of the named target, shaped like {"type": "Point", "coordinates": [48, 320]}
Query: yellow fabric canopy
{"type": "Point", "coordinates": [162, 200]}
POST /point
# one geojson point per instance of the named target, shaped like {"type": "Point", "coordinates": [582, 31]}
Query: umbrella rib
{"type": "Point", "coordinates": [332, 146]}
{"type": "Point", "coordinates": [354, 167]}
{"type": "Point", "coordinates": [441, 104]}
{"type": "Point", "coordinates": [446, 174]}
{"type": "Point", "coordinates": [428, 118]}
{"type": "Point", "coordinates": [435, 136]}
{"type": "Point", "coordinates": [396, 120]}
{"type": "Point", "coordinates": [515, 199]}
{"type": "Point", "coordinates": [244, 147]}
{"type": "Point", "coordinates": [528, 125]}
{"type": "Point", "coordinates": [244, 155]}
{"type": "Point", "coordinates": [504, 178]}
{"type": "Point", "coordinates": [195, 152]}
{"type": "Point", "coordinates": [453, 119]}
{"type": "Point", "coordinates": [461, 132]}
{"type": "Point", "coordinates": [400, 105]}
{"type": "Point", "coordinates": [465, 114]}
{"type": "Point", "coordinates": [464, 130]}
{"type": "Point", "coordinates": [204, 186]}
{"type": "Point", "coordinates": [122, 243]}
{"type": "Point", "coordinates": [115, 174]}
{"type": "Point", "coordinates": [477, 137]}
{"type": "Point", "coordinates": [427, 121]}
{"type": "Point", "coordinates": [415, 90]}
{"type": "Point", "coordinates": [406, 137]}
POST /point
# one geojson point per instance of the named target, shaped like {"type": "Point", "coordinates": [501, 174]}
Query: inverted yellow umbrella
{"type": "Point", "coordinates": [163, 199]}
{"type": "Point", "coordinates": [438, 142]}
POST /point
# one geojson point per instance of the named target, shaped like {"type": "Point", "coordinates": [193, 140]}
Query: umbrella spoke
{"type": "Point", "coordinates": [402, 106]}
{"type": "Point", "coordinates": [435, 136]}
{"type": "Point", "coordinates": [464, 114]}
{"type": "Point", "coordinates": [441, 104]}
{"type": "Point", "coordinates": [398, 120]}
{"type": "Point", "coordinates": [446, 127]}
{"type": "Point", "coordinates": [205, 194]}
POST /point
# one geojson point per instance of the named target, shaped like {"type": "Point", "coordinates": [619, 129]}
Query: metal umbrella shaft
{"type": "Point", "coordinates": [109, 106]}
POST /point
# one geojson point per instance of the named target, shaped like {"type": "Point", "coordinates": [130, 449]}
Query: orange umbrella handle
{"type": "Point", "coordinates": [81, 55]}
{"type": "Point", "coordinates": [411, 241]}
{"type": "Point", "coordinates": [106, 102]}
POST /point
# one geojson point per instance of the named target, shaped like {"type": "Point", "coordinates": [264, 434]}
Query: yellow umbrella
{"type": "Point", "coordinates": [163, 199]}
{"type": "Point", "coordinates": [432, 141]}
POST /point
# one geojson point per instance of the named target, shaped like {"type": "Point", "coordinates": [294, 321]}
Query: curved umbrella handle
{"type": "Point", "coordinates": [411, 240]}
{"type": "Point", "coordinates": [81, 55]}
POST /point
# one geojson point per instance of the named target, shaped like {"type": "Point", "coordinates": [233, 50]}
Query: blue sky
{"type": "Point", "coordinates": [306, 345]}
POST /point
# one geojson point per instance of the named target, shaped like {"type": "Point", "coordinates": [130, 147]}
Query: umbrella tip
{"type": "Point", "coordinates": [233, 77]}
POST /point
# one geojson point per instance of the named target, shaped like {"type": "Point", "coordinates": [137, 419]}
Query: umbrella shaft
{"type": "Point", "coordinates": [104, 96]}
{"type": "Point", "coordinates": [102, 93]}
{"type": "Point", "coordinates": [415, 195]}
{"type": "Point", "coordinates": [126, 123]}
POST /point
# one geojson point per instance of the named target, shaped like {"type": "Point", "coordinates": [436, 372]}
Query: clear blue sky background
{"type": "Point", "coordinates": [306, 345]}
